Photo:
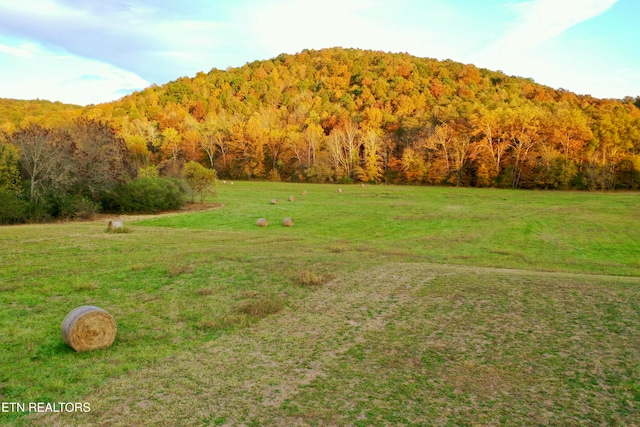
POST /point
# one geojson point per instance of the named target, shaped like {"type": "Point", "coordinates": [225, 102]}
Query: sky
{"type": "Point", "coordinates": [94, 51]}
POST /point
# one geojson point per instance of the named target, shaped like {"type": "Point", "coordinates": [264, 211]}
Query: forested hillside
{"type": "Point", "coordinates": [342, 115]}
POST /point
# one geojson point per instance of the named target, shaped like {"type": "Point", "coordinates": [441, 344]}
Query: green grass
{"type": "Point", "coordinates": [553, 231]}
{"type": "Point", "coordinates": [383, 305]}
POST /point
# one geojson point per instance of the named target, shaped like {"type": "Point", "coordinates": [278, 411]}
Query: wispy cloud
{"type": "Point", "coordinates": [68, 78]}
{"type": "Point", "coordinates": [292, 25]}
{"type": "Point", "coordinates": [539, 21]}
{"type": "Point", "coordinates": [143, 37]}
{"type": "Point", "coordinates": [128, 44]}
{"type": "Point", "coordinates": [24, 50]}
{"type": "Point", "coordinates": [529, 46]}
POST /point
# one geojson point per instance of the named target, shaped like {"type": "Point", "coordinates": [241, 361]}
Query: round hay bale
{"type": "Point", "coordinates": [292, 198]}
{"type": "Point", "coordinates": [262, 222]}
{"type": "Point", "coordinates": [115, 225]}
{"type": "Point", "coordinates": [88, 328]}
{"type": "Point", "coordinates": [274, 201]}
{"type": "Point", "coordinates": [287, 222]}
{"type": "Point", "coordinates": [304, 192]}
{"type": "Point", "coordinates": [224, 181]}
{"type": "Point", "coordinates": [362, 185]}
{"type": "Point", "coordinates": [231, 183]}
{"type": "Point", "coordinates": [339, 190]}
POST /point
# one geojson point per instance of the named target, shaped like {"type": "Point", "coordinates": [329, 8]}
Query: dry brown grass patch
{"type": "Point", "coordinates": [225, 321]}
{"type": "Point", "coordinates": [176, 270]}
{"type": "Point", "coordinates": [310, 279]}
{"type": "Point", "coordinates": [261, 307]}
{"type": "Point", "coordinates": [483, 380]}
{"type": "Point", "coordinates": [338, 247]}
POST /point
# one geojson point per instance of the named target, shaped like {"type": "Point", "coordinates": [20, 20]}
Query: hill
{"type": "Point", "coordinates": [15, 113]}
{"type": "Point", "coordinates": [354, 115]}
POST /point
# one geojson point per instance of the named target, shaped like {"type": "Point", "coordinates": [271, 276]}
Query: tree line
{"type": "Point", "coordinates": [81, 169]}
{"type": "Point", "coordinates": [343, 115]}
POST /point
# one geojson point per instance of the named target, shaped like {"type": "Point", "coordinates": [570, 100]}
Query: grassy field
{"type": "Point", "coordinates": [383, 305]}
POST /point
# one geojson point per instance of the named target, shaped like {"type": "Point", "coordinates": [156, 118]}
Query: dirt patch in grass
{"type": "Point", "coordinates": [187, 208]}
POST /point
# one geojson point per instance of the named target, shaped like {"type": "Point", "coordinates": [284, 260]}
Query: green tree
{"type": "Point", "coordinates": [10, 168]}
{"type": "Point", "coordinates": [200, 179]}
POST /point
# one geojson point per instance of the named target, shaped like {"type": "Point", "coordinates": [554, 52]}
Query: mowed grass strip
{"type": "Point", "coordinates": [178, 284]}
{"type": "Point", "coordinates": [406, 344]}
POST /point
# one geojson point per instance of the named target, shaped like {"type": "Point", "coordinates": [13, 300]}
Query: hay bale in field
{"type": "Point", "coordinates": [262, 222]}
{"type": "Point", "coordinates": [231, 183]}
{"type": "Point", "coordinates": [274, 201]}
{"type": "Point", "coordinates": [362, 185]}
{"type": "Point", "coordinates": [88, 328]}
{"type": "Point", "coordinates": [292, 198]}
{"type": "Point", "coordinates": [287, 222]}
{"type": "Point", "coordinates": [115, 225]}
{"type": "Point", "coordinates": [224, 181]}
{"type": "Point", "coordinates": [304, 192]}
{"type": "Point", "coordinates": [339, 190]}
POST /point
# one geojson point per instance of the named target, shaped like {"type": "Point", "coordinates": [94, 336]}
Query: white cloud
{"type": "Point", "coordinates": [530, 48]}
{"type": "Point", "coordinates": [24, 50]}
{"type": "Point", "coordinates": [543, 20]}
{"type": "Point", "coordinates": [69, 79]}
{"type": "Point", "coordinates": [293, 25]}
{"type": "Point", "coordinates": [160, 40]}
{"type": "Point", "coordinates": [539, 21]}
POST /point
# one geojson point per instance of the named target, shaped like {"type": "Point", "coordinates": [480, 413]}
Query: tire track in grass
{"type": "Point", "coordinates": [251, 371]}
{"type": "Point", "coordinates": [249, 376]}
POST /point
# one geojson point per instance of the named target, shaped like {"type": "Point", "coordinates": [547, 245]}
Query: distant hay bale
{"type": "Point", "coordinates": [224, 181]}
{"type": "Point", "coordinates": [362, 185]}
{"type": "Point", "coordinates": [274, 201]}
{"type": "Point", "coordinates": [115, 225]}
{"type": "Point", "coordinates": [287, 222]}
{"type": "Point", "coordinates": [262, 222]}
{"type": "Point", "coordinates": [339, 190]}
{"type": "Point", "coordinates": [292, 198]}
{"type": "Point", "coordinates": [88, 328]}
{"type": "Point", "coordinates": [231, 183]}
{"type": "Point", "coordinates": [304, 192]}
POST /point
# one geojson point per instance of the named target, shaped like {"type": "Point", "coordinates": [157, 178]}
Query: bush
{"type": "Point", "coordinates": [12, 209]}
{"type": "Point", "coordinates": [145, 195]}
{"type": "Point", "coordinates": [71, 206]}
{"type": "Point", "coordinates": [199, 180]}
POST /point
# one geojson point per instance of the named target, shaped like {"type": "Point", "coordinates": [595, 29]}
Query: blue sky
{"type": "Point", "coordinates": [93, 51]}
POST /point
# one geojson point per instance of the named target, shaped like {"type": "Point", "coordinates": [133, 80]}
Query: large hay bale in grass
{"type": "Point", "coordinates": [339, 190]}
{"type": "Point", "coordinates": [88, 328]}
{"type": "Point", "coordinates": [292, 198]}
{"type": "Point", "coordinates": [274, 201]}
{"type": "Point", "coordinates": [262, 222]}
{"type": "Point", "coordinates": [287, 222]}
{"type": "Point", "coordinates": [115, 225]}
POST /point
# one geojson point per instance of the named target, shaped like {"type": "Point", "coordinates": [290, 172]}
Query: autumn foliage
{"type": "Point", "coordinates": [344, 115]}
